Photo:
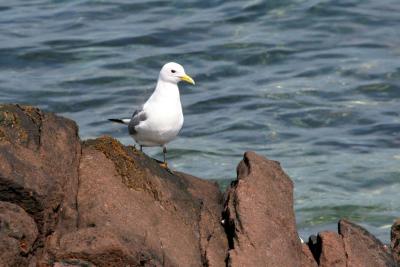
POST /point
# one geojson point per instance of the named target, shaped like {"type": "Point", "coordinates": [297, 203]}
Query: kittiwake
{"type": "Point", "coordinates": [159, 120]}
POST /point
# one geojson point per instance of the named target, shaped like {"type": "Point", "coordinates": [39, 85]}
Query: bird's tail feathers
{"type": "Point", "coordinates": [123, 121]}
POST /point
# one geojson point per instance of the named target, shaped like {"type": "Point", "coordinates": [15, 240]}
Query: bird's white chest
{"type": "Point", "coordinates": [162, 125]}
{"type": "Point", "coordinates": [166, 117]}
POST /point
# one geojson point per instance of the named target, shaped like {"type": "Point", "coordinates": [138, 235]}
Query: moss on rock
{"type": "Point", "coordinates": [128, 162]}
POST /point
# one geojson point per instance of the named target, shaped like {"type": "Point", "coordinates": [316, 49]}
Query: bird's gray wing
{"type": "Point", "coordinates": [138, 116]}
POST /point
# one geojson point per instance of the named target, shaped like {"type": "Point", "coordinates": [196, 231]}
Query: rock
{"type": "Point", "coordinates": [332, 250]}
{"type": "Point", "coordinates": [362, 248]}
{"type": "Point", "coordinates": [353, 247]}
{"type": "Point", "coordinates": [213, 241]}
{"type": "Point", "coordinates": [314, 246]}
{"type": "Point", "coordinates": [39, 156]}
{"type": "Point", "coordinates": [395, 240]}
{"type": "Point", "coordinates": [99, 203]}
{"type": "Point", "coordinates": [259, 216]}
{"type": "Point", "coordinates": [132, 212]}
{"type": "Point", "coordinates": [18, 233]}
{"type": "Point", "coordinates": [307, 258]}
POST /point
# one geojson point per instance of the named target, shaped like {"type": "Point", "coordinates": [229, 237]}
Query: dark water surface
{"type": "Point", "coordinates": [312, 84]}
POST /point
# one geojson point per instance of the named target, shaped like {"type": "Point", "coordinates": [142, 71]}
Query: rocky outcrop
{"type": "Point", "coordinates": [362, 248]}
{"type": "Point", "coordinates": [131, 211]}
{"type": "Point", "coordinates": [39, 159]}
{"type": "Point", "coordinates": [352, 246]}
{"type": "Point", "coordinates": [64, 202]}
{"type": "Point", "coordinates": [98, 203]}
{"type": "Point", "coordinates": [260, 225]}
{"type": "Point", "coordinates": [332, 250]}
{"type": "Point", "coordinates": [259, 216]}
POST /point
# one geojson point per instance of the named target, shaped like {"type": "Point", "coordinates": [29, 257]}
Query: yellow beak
{"type": "Point", "coordinates": [187, 79]}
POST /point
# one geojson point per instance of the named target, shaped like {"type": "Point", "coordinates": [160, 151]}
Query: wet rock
{"type": "Point", "coordinates": [260, 217]}
{"type": "Point", "coordinates": [362, 248]}
{"type": "Point", "coordinates": [395, 240]}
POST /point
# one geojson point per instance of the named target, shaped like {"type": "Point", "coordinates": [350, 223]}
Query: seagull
{"type": "Point", "coordinates": [159, 120]}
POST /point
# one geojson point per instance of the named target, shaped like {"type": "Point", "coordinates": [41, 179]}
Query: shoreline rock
{"type": "Point", "coordinates": [67, 202]}
{"type": "Point", "coordinates": [263, 220]}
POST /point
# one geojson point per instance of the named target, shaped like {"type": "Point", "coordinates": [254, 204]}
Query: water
{"type": "Point", "coordinates": [313, 84]}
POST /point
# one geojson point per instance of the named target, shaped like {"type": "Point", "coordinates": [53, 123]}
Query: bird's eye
{"type": "Point", "coordinates": [173, 71]}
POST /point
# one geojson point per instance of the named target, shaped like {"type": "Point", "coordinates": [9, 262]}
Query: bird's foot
{"type": "Point", "coordinates": [164, 165]}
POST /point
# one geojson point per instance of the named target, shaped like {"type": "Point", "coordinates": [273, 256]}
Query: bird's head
{"type": "Point", "coordinates": [174, 73]}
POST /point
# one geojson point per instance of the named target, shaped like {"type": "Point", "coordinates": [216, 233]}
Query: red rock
{"type": "Point", "coordinates": [395, 240]}
{"type": "Point", "coordinates": [133, 212]}
{"type": "Point", "coordinates": [332, 250]}
{"type": "Point", "coordinates": [362, 248]}
{"type": "Point", "coordinates": [259, 216]}
{"type": "Point", "coordinates": [18, 233]}
{"type": "Point", "coordinates": [213, 241]}
{"type": "Point", "coordinates": [104, 204]}
{"type": "Point", "coordinates": [307, 258]}
{"type": "Point", "coordinates": [39, 155]}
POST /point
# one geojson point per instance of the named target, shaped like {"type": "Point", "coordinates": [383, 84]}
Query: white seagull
{"type": "Point", "coordinates": [159, 120]}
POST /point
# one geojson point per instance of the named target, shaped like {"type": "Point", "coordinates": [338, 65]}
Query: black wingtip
{"type": "Point", "coordinates": [117, 120]}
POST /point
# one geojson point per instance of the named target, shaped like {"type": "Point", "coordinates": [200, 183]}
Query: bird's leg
{"type": "Point", "coordinates": [141, 148]}
{"type": "Point", "coordinates": [164, 164]}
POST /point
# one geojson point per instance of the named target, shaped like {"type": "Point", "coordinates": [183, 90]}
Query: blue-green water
{"type": "Point", "coordinates": [312, 84]}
